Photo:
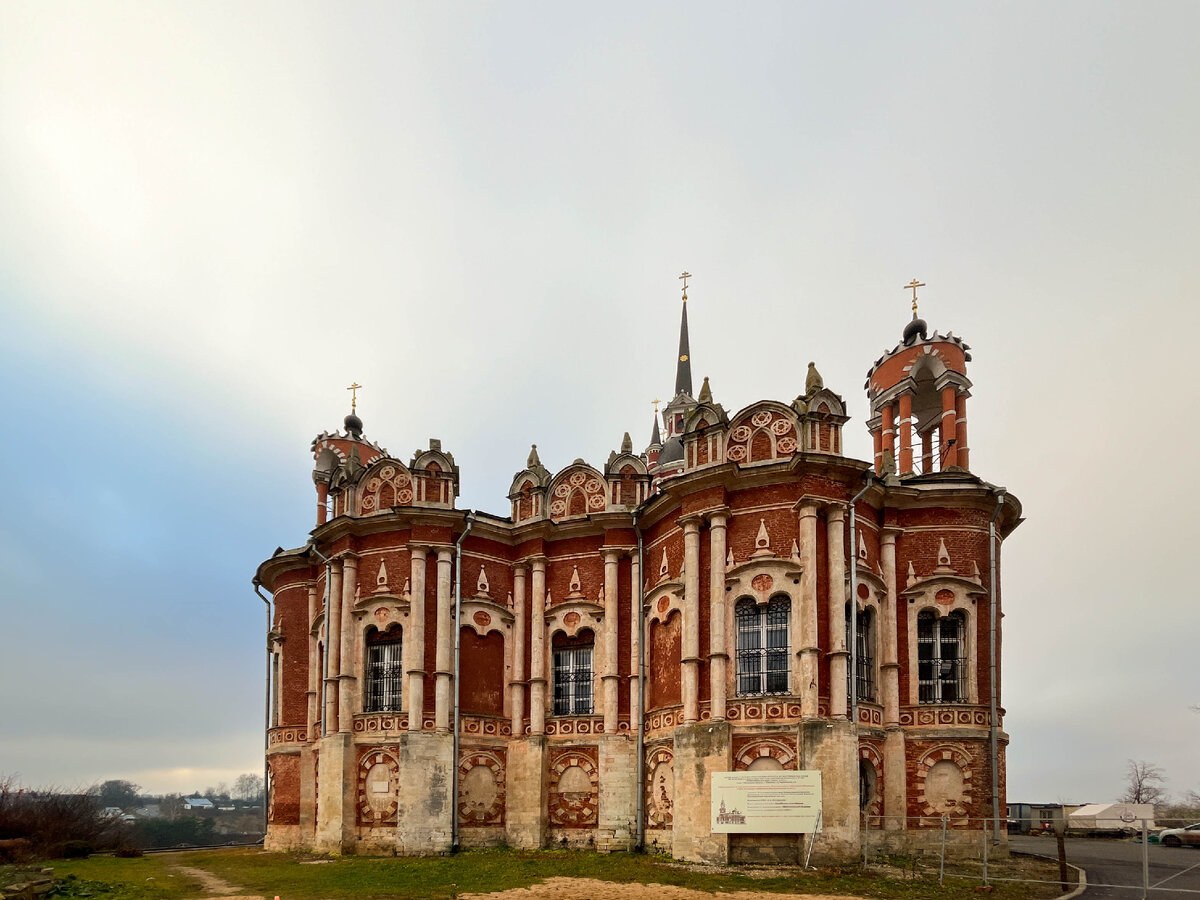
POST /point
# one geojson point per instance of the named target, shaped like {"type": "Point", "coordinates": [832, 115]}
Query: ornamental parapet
{"type": "Point", "coordinates": [870, 714]}
{"type": "Point", "coordinates": [287, 735]}
{"type": "Point", "coordinates": [953, 714]}
{"type": "Point", "coordinates": [375, 723]}
{"type": "Point", "coordinates": [560, 726]}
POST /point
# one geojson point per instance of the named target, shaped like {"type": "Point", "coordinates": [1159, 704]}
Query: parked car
{"type": "Point", "coordinates": [1178, 837]}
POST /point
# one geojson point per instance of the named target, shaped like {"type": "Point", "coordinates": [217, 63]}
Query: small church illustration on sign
{"type": "Point", "coordinates": [730, 817]}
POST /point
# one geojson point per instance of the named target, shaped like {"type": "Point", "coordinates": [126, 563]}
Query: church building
{"type": "Point", "coordinates": [739, 596]}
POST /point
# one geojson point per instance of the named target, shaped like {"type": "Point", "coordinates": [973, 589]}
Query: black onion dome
{"type": "Point", "coordinates": [914, 328]}
{"type": "Point", "coordinates": [672, 450]}
{"type": "Point", "coordinates": [353, 425]}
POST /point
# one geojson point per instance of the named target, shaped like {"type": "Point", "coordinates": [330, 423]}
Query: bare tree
{"type": "Point", "coordinates": [248, 787]}
{"type": "Point", "coordinates": [1143, 782]}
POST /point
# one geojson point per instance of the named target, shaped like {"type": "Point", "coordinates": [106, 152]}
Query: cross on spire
{"type": "Point", "coordinates": [354, 389]}
{"type": "Point", "coordinates": [913, 285]}
{"type": "Point", "coordinates": [684, 277]}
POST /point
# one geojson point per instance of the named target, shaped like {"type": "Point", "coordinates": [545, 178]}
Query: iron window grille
{"type": "Point", "coordinates": [865, 641]}
{"type": "Point", "coordinates": [573, 681]}
{"type": "Point", "coordinates": [385, 673]}
{"type": "Point", "coordinates": [762, 647]}
{"type": "Point", "coordinates": [941, 658]}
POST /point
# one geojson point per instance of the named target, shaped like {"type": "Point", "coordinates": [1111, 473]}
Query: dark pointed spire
{"type": "Point", "coordinates": [683, 370]}
{"type": "Point", "coordinates": [627, 444]}
{"type": "Point", "coordinates": [655, 436]}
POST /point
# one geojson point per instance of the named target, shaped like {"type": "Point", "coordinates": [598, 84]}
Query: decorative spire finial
{"type": "Point", "coordinates": [913, 285]}
{"type": "Point", "coordinates": [354, 389]}
{"type": "Point", "coordinates": [683, 368]}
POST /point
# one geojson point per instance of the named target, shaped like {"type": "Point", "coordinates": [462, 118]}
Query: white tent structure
{"type": "Point", "coordinates": [1111, 817]}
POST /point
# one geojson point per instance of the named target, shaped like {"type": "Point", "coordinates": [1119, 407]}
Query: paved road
{"type": "Point", "coordinates": [1174, 871]}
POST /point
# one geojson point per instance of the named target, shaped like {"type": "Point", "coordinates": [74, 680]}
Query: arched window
{"type": "Point", "coordinates": [762, 646]}
{"type": "Point", "coordinates": [385, 670]}
{"type": "Point", "coordinates": [941, 657]}
{"type": "Point", "coordinates": [865, 640]}
{"type": "Point", "coordinates": [573, 674]}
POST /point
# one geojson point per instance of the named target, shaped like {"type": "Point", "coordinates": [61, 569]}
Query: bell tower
{"type": "Point", "coordinates": [918, 393]}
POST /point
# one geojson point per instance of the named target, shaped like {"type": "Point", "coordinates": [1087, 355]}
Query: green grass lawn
{"type": "Point", "coordinates": [306, 877]}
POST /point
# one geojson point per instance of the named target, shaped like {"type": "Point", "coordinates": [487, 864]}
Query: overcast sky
{"type": "Point", "coordinates": [215, 216]}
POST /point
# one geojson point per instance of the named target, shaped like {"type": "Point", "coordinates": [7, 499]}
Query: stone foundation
{"type": "Point", "coordinates": [425, 809]}
{"type": "Point", "coordinates": [701, 749]}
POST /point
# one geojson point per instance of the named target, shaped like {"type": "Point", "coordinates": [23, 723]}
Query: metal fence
{"type": "Point", "coordinates": [1125, 862]}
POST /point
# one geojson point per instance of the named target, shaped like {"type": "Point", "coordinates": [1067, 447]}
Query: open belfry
{"type": "Point", "coordinates": [739, 597]}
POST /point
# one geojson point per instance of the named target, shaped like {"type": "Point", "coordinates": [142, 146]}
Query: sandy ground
{"type": "Point", "coordinates": [591, 889]}
{"type": "Point", "coordinates": [218, 887]}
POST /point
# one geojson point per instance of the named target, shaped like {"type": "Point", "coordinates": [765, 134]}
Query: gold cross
{"type": "Point", "coordinates": [684, 277]}
{"type": "Point", "coordinates": [913, 285]}
{"type": "Point", "coordinates": [354, 389]}
{"type": "Point", "coordinates": [656, 401]}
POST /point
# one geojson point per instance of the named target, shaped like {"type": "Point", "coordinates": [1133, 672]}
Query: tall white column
{"type": "Point", "coordinates": [836, 545]}
{"type": "Point", "coordinates": [889, 664]}
{"type": "Point", "coordinates": [635, 642]}
{"type": "Point", "coordinates": [517, 685]}
{"type": "Point", "coordinates": [537, 649]}
{"type": "Point", "coordinates": [610, 677]}
{"type": "Point", "coordinates": [445, 643]}
{"type": "Point", "coordinates": [895, 793]}
{"type": "Point", "coordinates": [312, 712]}
{"type": "Point", "coordinates": [333, 646]}
{"type": "Point", "coordinates": [414, 641]}
{"type": "Point", "coordinates": [690, 663]}
{"type": "Point", "coordinates": [805, 632]}
{"type": "Point", "coordinates": [347, 681]}
{"type": "Point", "coordinates": [718, 655]}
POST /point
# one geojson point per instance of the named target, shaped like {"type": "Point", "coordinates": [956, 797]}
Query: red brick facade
{"type": "Point", "coordinates": [674, 560]}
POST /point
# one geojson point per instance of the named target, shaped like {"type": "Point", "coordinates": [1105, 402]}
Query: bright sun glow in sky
{"type": "Point", "coordinates": [214, 216]}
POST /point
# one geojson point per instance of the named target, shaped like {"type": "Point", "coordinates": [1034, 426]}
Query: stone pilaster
{"type": "Point", "coordinates": [347, 680]}
{"type": "Point", "coordinates": [308, 794]}
{"type": "Point", "coordinates": [445, 642]}
{"type": "Point", "coordinates": [528, 784]}
{"type": "Point", "coordinates": [718, 655]}
{"type": "Point", "coordinates": [690, 674]}
{"type": "Point", "coordinates": [616, 827]}
{"type": "Point", "coordinates": [610, 673]}
{"type": "Point", "coordinates": [426, 806]}
{"type": "Point", "coordinates": [835, 530]}
{"type": "Point", "coordinates": [895, 791]}
{"type": "Point", "coordinates": [517, 684]}
{"type": "Point", "coordinates": [700, 750]}
{"type": "Point", "coordinates": [414, 641]}
{"type": "Point", "coordinates": [537, 649]}
{"type": "Point", "coordinates": [635, 642]}
{"type": "Point", "coordinates": [335, 795]}
{"type": "Point", "coordinates": [333, 646]}
{"type": "Point", "coordinates": [832, 747]}
{"type": "Point", "coordinates": [805, 628]}
{"type": "Point", "coordinates": [312, 713]}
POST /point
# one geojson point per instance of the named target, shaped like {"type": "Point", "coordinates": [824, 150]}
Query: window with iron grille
{"type": "Point", "coordinates": [762, 646]}
{"type": "Point", "coordinates": [865, 641]}
{"type": "Point", "coordinates": [941, 658]}
{"type": "Point", "coordinates": [385, 672]}
{"type": "Point", "coordinates": [573, 681]}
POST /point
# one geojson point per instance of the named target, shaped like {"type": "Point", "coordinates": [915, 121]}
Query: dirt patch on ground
{"type": "Point", "coordinates": [591, 889]}
{"type": "Point", "coordinates": [218, 888]}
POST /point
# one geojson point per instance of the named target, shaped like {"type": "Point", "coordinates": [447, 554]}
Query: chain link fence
{"type": "Point", "coordinates": [1131, 861]}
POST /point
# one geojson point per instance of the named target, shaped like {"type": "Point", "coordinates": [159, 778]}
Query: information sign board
{"type": "Point", "coordinates": [766, 802]}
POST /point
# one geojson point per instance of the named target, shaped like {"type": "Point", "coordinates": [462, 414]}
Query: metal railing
{"type": "Point", "coordinates": [967, 849]}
